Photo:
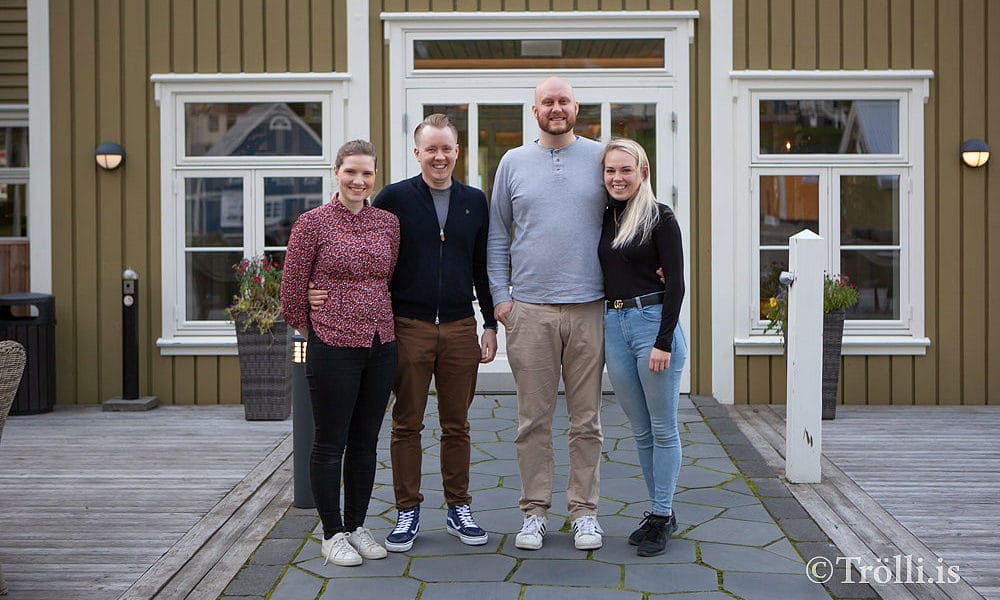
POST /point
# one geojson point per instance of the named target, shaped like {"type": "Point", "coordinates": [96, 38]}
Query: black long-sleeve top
{"type": "Point", "coordinates": [631, 271]}
{"type": "Point", "coordinates": [434, 277]}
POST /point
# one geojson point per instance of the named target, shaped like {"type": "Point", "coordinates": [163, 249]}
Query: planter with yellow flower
{"type": "Point", "coordinates": [263, 340]}
{"type": "Point", "coordinates": [839, 294]}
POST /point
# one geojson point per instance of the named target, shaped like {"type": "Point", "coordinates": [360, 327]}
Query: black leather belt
{"type": "Point", "coordinates": [637, 302]}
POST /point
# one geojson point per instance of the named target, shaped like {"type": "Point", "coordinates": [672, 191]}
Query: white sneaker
{"type": "Point", "coordinates": [339, 551]}
{"type": "Point", "coordinates": [587, 533]}
{"type": "Point", "coordinates": [532, 532]}
{"type": "Point", "coordinates": [361, 540]}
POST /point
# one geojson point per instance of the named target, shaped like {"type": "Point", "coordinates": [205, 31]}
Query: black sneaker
{"type": "Point", "coordinates": [639, 534]}
{"type": "Point", "coordinates": [660, 530]}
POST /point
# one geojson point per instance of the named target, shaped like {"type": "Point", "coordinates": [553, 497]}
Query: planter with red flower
{"type": "Point", "coordinates": [839, 294]}
{"type": "Point", "coordinates": [262, 339]}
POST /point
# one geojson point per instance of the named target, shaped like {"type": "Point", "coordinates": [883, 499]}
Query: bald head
{"type": "Point", "coordinates": [555, 110]}
{"type": "Point", "coordinates": [553, 85]}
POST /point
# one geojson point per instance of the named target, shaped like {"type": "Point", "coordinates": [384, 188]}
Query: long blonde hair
{"type": "Point", "coordinates": [641, 213]}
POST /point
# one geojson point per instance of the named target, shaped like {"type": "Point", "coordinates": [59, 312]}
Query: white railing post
{"type": "Point", "coordinates": [804, 339]}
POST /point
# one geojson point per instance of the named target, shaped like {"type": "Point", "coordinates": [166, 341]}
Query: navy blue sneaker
{"type": "Point", "coordinates": [405, 531]}
{"type": "Point", "coordinates": [463, 526]}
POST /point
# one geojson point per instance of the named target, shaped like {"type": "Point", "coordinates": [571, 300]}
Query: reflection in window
{"type": "Point", "coordinates": [499, 131]}
{"type": "Point", "coordinates": [285, 198]}
{"type": "Point", "coordinates": [637, 121]}
{"type": "Point", "coordinates": [211, 284]}
{"type": "Point", "coordinates": [876, 275]}
{"type": "Point", "coordinates": [13, 210]}
{"type": "Point", "coordinates": [253, 129]}
{"type": "Point", "coordinates": [869, 210]}
{"type": "Point", "coordinates": [13, 147]}
{"type": "Point", "coordinates": [213, 213]}
{"type": "Point", "coordinates": [788, 204]}
{"type": "Point", "coordinates": [539, 54]}
{"type": "Point", "coordinates": [772, 263]}
{"type": "Point", "coordinates": [829, 127]}
{"type": "Point", "coordinates": [459, 115]}
{"type": "Point", "coordinates": [588, 121]}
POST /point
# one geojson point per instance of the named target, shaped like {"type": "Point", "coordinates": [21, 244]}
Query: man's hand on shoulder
{"type": "Point", "coordinates": [316, 297]}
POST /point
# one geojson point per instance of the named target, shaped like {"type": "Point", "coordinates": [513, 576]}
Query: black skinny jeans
{"type": "Point", "coordinates": [349, 389]}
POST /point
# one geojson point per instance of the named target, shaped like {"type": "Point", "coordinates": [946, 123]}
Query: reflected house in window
{"type": "Point", "coordinates": [268, 129]}
{"type": "Point", "coordinates": [254, 129]}
{"type": "Point", "coordinates": [829, 126]}
{"type": "Point", "coordinates": [872, 128]}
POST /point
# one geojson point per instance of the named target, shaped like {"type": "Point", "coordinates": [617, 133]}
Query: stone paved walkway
{"type": "Point", "coordinates": [730, 544]}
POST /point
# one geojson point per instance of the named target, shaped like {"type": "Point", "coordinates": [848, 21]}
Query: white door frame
{"type": "Point", "coordinates": [675, 27]}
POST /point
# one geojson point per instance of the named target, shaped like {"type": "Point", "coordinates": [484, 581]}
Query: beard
{"type": "Point", "coordinates": [557, 127]}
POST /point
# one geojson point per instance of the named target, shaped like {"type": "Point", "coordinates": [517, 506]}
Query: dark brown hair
{"type": "Point", "coordinates": [354, 148]}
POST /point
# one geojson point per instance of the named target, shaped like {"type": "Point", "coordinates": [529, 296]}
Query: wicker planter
{"type": "Point", "coordinates": [265, 371]}
{"type": "Point", "coordinates": [833, 337]}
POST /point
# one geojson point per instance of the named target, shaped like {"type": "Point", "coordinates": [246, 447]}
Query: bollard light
{"type": "Point", "coordinates": [130, 398]}
{"type": "Point", "coordinates": [302, 426]}
{"type": "Point", "coordinates": [299, 349]}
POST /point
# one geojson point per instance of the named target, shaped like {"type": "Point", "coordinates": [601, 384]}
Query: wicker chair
{"type": "Point", "coordinates": [12, 359]}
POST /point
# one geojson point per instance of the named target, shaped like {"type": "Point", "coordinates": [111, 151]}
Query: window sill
{"type": "Point", "coordinates": [216, 345]}
{"type": "Point", "coordinates": [854, 345]}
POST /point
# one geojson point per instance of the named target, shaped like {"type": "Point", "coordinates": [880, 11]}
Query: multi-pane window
{"type": "Point", "coordinates": [13, 180]}
{"type": "Point", "coordinates": [843, 159]}
{"type": "Point", "coordinates": [242, 161]}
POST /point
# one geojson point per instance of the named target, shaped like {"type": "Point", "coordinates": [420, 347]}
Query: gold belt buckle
{"type": "Point", "coordinates": [618, 304]}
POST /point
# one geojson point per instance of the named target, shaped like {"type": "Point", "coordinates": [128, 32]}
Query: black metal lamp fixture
{"type": "Point", "coordinates": [109, 156]}
{"type": "Point", "coordinates": [975, 153]}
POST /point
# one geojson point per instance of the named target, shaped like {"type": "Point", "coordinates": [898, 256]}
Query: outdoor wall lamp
{"type": "Point", "coordinates": [975, 153]}
{"type": "Point", "coordinates": [109, 156]}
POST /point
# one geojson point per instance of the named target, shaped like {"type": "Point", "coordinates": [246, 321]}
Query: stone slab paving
{"type": "Point", "coordinates": [741, 534]}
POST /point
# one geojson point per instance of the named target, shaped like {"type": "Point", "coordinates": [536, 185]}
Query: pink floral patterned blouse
{"type": "Point", "coordinates": [352, 256]}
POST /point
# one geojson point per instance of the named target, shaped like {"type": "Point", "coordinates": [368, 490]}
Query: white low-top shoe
{"type": "Point", "coordinates": [532, 532]}
{"type": "Point", "coordinates": [587, 533]}
{"type": "Point", "coordinates": [340, 552]}
{"type": "Point", "coordinates": [362, 541]}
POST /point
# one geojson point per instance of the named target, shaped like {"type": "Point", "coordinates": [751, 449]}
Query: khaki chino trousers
{"type": "Point", "coordinates": [542, 341]}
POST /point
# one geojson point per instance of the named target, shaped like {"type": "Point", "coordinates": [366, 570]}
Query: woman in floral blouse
{"type": "Point", "coordinates": [350, 248]}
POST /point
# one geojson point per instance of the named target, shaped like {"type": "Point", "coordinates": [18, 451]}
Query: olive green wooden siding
{"type": "Point", "coordinates": [699, 288]}
{"type": "Point", "coordinates": [14, 52]}
{"type": "Point", "coordinates": [962, 246]}
{"type": "Point", "coordinates": [102, 55]}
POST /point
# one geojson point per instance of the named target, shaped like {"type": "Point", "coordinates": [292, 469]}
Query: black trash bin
{"type": "Point", "coordinates": [37, 333]}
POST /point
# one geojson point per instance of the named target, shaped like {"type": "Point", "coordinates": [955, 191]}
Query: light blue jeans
{"type": "Point", "coordinates": [649, 399]}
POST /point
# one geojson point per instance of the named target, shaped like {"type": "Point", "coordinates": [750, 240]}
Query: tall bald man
{"type": "Point", "coordinates": [548, 291]}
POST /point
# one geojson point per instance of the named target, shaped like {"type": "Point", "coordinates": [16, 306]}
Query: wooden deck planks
{"type": "Point", "coordinates": [919, 479]}
{"type": "Point", "coordinates": [90, 501]}
{"type": "Point", "coordinates": [936, 469]}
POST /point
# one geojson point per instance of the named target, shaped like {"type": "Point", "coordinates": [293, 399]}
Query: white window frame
{"type": "Point", "coordinates": [910, 88]}
{"type": "Point", "coordinates": [181, 336]}
{"type": "Point", "coordinates": [16, 115]}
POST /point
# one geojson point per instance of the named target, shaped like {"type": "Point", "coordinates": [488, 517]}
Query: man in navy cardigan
{"type": "Point", "coordinates": [443, 225]}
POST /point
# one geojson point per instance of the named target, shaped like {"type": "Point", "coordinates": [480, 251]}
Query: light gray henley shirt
{"type": "Point", "coordinates": [554, 201]}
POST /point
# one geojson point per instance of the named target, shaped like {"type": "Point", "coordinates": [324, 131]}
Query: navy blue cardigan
{"type": "Point", "coordinates": [434, 279]}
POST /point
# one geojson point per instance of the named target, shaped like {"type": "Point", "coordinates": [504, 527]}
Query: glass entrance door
{"type": "Point", "coordinates": [501, 119]}
{"type": "Point", "coordinates": [491, 121]}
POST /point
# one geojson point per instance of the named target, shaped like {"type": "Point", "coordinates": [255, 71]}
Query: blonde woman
{"type": "Point", "coordinates": [644, 345]}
